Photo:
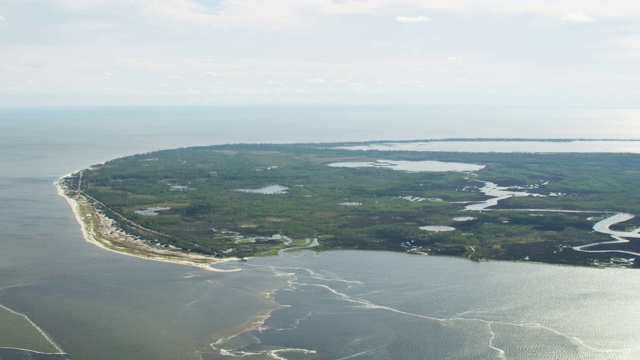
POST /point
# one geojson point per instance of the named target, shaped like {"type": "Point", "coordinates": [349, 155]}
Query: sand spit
{"type": "Point", "coordinates": [102, 231]}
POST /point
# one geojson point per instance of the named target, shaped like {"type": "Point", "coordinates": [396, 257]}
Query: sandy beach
{"type": "Point", "coordinates": [102, 231]}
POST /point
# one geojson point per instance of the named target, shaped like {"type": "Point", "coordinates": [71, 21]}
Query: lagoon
{"type": "Point", "coordinates": [437, 228]}
{"type": "Point", "coordinates": [267, 190]}
{"type": "Point", "coordinates": [151, 211]}
{"type": "Point", "coordinates": [413, 166]}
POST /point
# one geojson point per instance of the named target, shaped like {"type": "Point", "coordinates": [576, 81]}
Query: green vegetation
{"type": "Point", "coordinates": [363, 208]}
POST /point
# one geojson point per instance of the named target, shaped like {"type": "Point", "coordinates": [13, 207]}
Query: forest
{"type": "Point", "coordinates": [216, 200]}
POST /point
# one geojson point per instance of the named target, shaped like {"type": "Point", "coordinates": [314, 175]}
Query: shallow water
{"type": "Point", "coordinates": [95, 304]}
{"type": "Point", "coordinates": [510, 146]}
{"type": "Point", "coordinates": [267, 190]}
{"type": "Point", "coordinates": [412, 166]}
{"type": "Point", "coordinates": [437, 228]}
{"type": "Point", "coordinates": [380, 305]}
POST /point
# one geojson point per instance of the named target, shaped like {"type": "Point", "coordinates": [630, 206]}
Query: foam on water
{"type": "Point", "coordinates": [100, 305]}
{"type": "Point", "coordinates": [316, 296]}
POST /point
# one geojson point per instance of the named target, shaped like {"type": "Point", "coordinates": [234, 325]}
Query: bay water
{"type": "Point", "coordinates": [62, 295]}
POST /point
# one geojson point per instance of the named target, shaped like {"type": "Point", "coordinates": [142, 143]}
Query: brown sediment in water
{"type": "Point", "coordinates": [227, 341]}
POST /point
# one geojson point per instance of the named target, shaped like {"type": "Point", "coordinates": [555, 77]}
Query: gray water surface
{"type": "Point", "coordinates": [381, 305]}
{"type": "Point", "coordinates": [59, 293]}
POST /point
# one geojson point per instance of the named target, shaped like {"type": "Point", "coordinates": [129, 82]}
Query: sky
{"type": "Point", "coordinates": [578, 53]}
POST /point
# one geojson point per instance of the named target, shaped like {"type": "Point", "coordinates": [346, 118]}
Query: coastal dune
{"type": "Point", "coordinates": [103, 232]}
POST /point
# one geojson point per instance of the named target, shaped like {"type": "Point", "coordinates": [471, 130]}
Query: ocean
{"type": "Point", "coordinates": [61, 297]}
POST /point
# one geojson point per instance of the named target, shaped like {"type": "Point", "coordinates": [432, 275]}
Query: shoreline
{"type": "Point", "coordinates": [103, 231]}
{"type": "Point", "coordinates": [215, 346]}
{"type": "Point", "coordinates": [100, 230]}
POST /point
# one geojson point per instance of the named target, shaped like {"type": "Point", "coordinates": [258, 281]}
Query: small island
{"type": "Point", "coordinates": [202, 205]}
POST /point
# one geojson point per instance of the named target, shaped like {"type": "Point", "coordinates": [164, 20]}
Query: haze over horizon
{"type": "Point", "coordinates": [188, 52]}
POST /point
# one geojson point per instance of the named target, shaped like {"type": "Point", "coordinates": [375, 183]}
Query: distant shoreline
{"type": "Point", "coordinates": [101, 231]}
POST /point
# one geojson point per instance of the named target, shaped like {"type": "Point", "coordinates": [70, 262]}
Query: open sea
{"type": "Point", "coordinates": [63, 298]}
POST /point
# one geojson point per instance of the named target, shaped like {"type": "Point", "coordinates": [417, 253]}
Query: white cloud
{"type": "Point", "coordinates": [358, 86]}
{"type": "Point", "coordinates": [1, 17]}
{"type": "Point", "coordinates": [412, 19]}
{"type": "Point", "coordinates": [316, 81]}
{"type": "Point", "coordinates": [414, 83]}
{"type": "Point", "coordinates": [257, 91]}
{"type": "Point", "coordinates": [229, 13]}
{"type": "Point", "coordinates": [85, 25]}
{"type": "Point", "coordinates": [631, 44]}
{"type": "Point", "coordinates": [16, 90]}
{"type": "Point", "coordinates": [552, 8]}
{"type": "Point", "coordinates": [215, 74]}
{"type": "Point", "coordinates": [250, 46]}
{"type": "Point", "coordinates": [577, 17]}
{"type": "Point", "coordinates": [82, 5]}
{"type": "Point", "coordinates": [226, 13]}
{"type": "Point", "coordinates": [141, 63]}
{"type": "Point", "coordinates": [351, 6]}
{"type": "Point", "coordinates": [185, 11]}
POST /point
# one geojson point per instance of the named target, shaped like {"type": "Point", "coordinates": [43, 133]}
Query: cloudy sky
{"type": "Point", "coordinates": [461, 52]}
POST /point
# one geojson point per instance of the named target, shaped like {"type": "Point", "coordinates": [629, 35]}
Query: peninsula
{"type": "Point", "coordinates": [201, 205]}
